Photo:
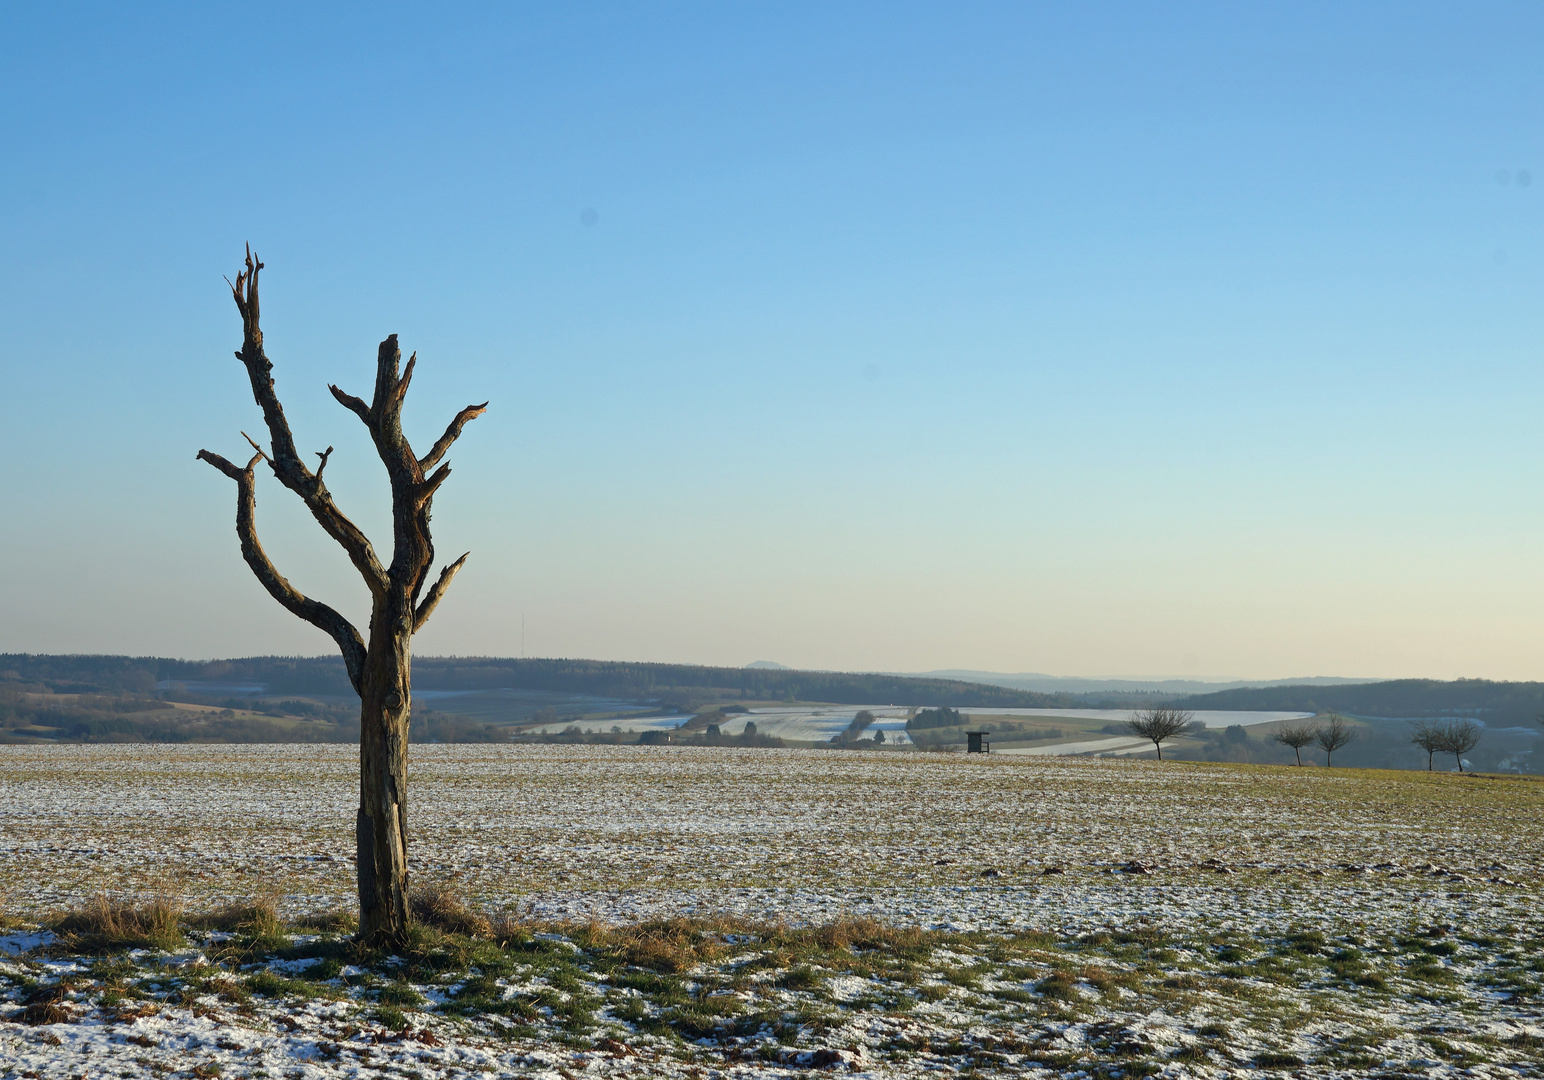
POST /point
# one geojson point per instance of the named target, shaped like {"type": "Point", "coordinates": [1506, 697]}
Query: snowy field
{"type": "Point", "coordinates": [1089, 914]}
{"type": "Point", "coordinates": [624, 831]}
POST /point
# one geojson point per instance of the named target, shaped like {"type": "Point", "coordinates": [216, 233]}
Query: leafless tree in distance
{"type": "Point", "coordinates": [1333, 735]}
{"type": "Point", "coordinates": [400, 604]}
{"type": "Point", "coordinates": [1158, 725]}
{"type": "Point", "coordinates": [1458, 737]}
{"type": "Point", "coordinates": [1296, 736]}
{"type": "Point", "coordinates": [1429, 737]}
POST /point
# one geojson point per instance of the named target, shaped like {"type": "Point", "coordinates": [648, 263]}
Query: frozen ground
{"type": "Point", "coordinates": [1353, 922]}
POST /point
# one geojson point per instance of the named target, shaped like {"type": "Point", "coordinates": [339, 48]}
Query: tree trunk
{"type": "Point", "coordinates": [381, 829]}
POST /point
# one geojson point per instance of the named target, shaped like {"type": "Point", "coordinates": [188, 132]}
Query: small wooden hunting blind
{"type": "Point", "coordinates": [978, 742]}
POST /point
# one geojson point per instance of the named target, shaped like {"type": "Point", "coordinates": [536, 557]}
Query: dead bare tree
{"type": "Point", "coordinates": [1458, 737]}
{"type": "Point", "coordinates": [380, 670]}
{"type": "Point", "coordinates": [1429, 737]}
{"type": "Point", "coordinates": [1158, 725]}
{"type": "Point", "coordinates": [1333, 735]}
{"type": "Point", "coordinates": [1296, 736]}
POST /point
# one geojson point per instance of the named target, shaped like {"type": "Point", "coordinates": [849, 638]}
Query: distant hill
{"type": "Point", "coordinates": [668, 684]}
{"type": "Point", "coordinates": [1498, 704]}
{"type": "Point", "coordinates": [1063, 684]}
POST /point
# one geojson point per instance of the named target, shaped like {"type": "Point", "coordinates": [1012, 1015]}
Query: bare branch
{"type": "Point", "coordinates": [400, 390]}
{"type": "Point", "coordinates": [319, 615]}
{"type": "Point", "coordinates": [283, 457]}
{"type": "Point", "coordinates": [253, 443]}
{"type": "Point", "coordinates": [245, 291]}
{"type": "Point", "coordinates": [431, 601]}
{"type": "Point", "coordinates": [352, 404]}
{"type": "Point", "coordinates": [431, 485]}
{"type": "Point", "coordinates": [324, 455]}
{"type": "Point", "coordinates": [452, 433]}
{"type": "Point", "coordinates": [223, 465]}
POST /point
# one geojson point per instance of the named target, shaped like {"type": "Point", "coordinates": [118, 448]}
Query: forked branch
{"type": "Point", "coordinates": [318, 614]}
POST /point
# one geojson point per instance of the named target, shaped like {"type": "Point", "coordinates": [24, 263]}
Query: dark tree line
{"type": "Point", "coordinates": [1504, 703]}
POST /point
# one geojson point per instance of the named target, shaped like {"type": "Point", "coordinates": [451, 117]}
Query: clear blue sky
{"type": "Point", "coordinates": [1087, 339]}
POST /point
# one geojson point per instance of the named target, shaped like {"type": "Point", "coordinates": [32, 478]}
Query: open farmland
{"type": "Point", "coordinates": [1107, 916]}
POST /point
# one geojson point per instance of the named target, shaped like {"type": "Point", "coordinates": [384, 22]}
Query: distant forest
{"type": "Point", "coordinates": [1498, 704]}
{"type": "Point", "coordinates": [686, 687]}
{"type": "Point", "coordinates": [670, 685]}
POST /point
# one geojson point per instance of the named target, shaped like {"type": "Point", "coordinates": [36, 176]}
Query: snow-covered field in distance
{"type": "Point", "coordinates": [807, 723]}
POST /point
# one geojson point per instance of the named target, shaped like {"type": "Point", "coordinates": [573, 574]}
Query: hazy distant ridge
{"type": "Point", "coordinates": [1063, 684]}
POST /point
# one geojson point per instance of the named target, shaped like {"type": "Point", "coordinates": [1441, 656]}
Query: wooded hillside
{"type": "Point", "coordinates": [664, 683]}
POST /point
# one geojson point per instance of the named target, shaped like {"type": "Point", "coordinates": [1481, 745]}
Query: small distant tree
{"type": "Point", "coordinates": [750, 730]}
{"type": "Point", "coordinates": [1297, 736]}
{"type": "Point", "coordinates": [879, 737]}
{"type": "Point", "coordinates": [935, 718]}
{"type": "Point", "coordinates": [855, 728]}
{"type": "Point", "coordinates": [1158, 725]}
{"type": "Point", "coordinates": [1458, 737]}
{"type": "Point", "coordinates": [1429, 737]}
{"type": "Point", "coordinates": [1333, 735]}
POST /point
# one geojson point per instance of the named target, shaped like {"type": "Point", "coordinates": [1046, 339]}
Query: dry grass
{"type": "Point", "coordinates": [864, 934]}
{"type": "Point", "coordinates": [8, 921]}
{"type": "Point", "coordinates": [48, 1005]}
{"type": "Point", "coordinates": [668, 946]}
{"type": "Point", "coordinates": [105, 923]}
{"type": "Point", "coordinates": [676, 945]}
{"type": "Point", "coordinates": [327, 922]}
{"type": "Point", "coordinates": [259, 917]}
{"type": "Point", "coordinates": [439, 907]}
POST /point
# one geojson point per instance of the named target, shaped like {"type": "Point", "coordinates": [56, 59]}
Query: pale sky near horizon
{"type": "Point", "coordinates": [1097, 339]}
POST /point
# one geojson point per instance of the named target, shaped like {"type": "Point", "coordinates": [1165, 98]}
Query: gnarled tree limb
{"type": "Point", "coordinates": [352, 404]}
{"type": "Point", "coordinates": [283, 459]}
{"type": "Point", "coordinates": [318, 614]}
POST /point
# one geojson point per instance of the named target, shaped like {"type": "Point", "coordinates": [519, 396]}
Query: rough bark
{"type": "Point", "coordinates": [380, 671]}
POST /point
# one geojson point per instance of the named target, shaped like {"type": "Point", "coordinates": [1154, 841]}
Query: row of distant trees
{"type": "Point", "coordinates": [1455, 736]}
